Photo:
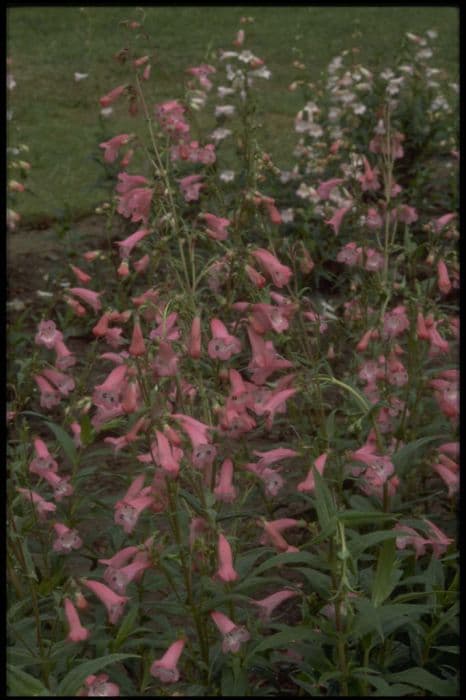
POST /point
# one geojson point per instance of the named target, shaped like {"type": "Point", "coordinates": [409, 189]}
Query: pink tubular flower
{"type": "Point", "coordinates": [137, 347]}
{"type": "Point", "coordinates": [113, 602]}
{"type": "Point", "coordinates": [350, 254]}
{"type": "Point", "coordinates": [119, 578]}
{"type": "Point", "coordinates": [165, 669]}
{"type": "Point", "coordinates": [277, 402]}
{"type": "Point", "coordinates": [107, 395]}
{"type": "Point", "coordinates": [395, 322]}
{"type": "Point", "coordinates": [168, 457]}
{"type": "Point", "coordinates": [309, 483]}
{"type": "Point", "coordinates": [325, 188]}
{"type": "Point", "coordinates": [130, 242]}
{"type": "Point", "coordinates": [265, 360]}
{"type": "Point", "coordinates": [49, 397]}
{"type": "Point", "coordinates": [47, 334]}
{"type": "Point", "coordinates": [337, 218]}
{"type": "Point", "coordinates": [113, 95]}
{"type": "Point", "coordinates": [272, 533]}
{"type": "Point", "coordinates": [369, 180]}
{"type": "Point", "coordinates": [191, 187]}
{"type": "Point", "coordinates": [233, 635]}
{"type": "Point", "coordinates": [255, 277]}
{"type": "Point", "coordinates": [443, 221]}
{"type": "Point", "coordinates": [66, 539]}
{"type": "Point", "coordinates": [223, 345]}
{"type": "Point", "coordinates": [43, 459]}
{"type": "Point", "coordinates": [135, 203]}
{"type": "Point", "coordinates": [448, 470]}
{"type": "Point", "coordinates": [112, 147]}
{"type": "Point", "coordinates": [128, 510]}
{"type": "Point", "coordinates": [225, 491]}
{"type": "Point", "coordinates": [166, 362]}
{"type": "Point", "coordinates": [438, 539]}
{"type": "Point", "coordinates": [63, 382]}
{"type": "Point", "coordinates": [196, 431]}
{"type": "Point", "coordinates": [142, 264]}
{"type": "Point", "coordinates": [89, 296]}
{"type": "Point", "coordinates": [80, 275]}
{"type": "Point", "coordinates": [444, 283]}
{"type": "Point", "coordinates": [98, 686]}
{"type": "Point", "coordinates": [373, 218]}
{"type": "Point", "coordinates": [77, 632]}
{"type": "Point", "coordinates": [225, 572]}
{"type": "Point", "coordinates": [280, 274]}
{"type": "Point", "coordinates": [42, 506]}
{"type": "Point", "coordinates": [216, 226]}
{"type": "Point", "coordinates": [194, 343]}
{"type": "Point", "coordinates": [275, 455]}
{"type": "Point", "coordinates": [267, 605]}
{"type": "Point", "coordinates": [64, 357]}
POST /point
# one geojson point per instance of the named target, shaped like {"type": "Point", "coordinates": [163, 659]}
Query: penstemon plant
{"type": "Point", "coordinates": [233, 448]}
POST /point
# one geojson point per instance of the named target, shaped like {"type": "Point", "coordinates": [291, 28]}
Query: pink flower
{"type": "Point", "coordinates": [405, 214]}
{"type": "Point", "coordinates": [408, 536]}
{"type": "Point", "coordinates": [275, 455]}
{"type": "Point", "coordinates": [77, 632]}
{"type": "Point", "coordinates": [191, 187]}
{"type": "Point", "coordinates": [255, 277]}
{"type": "Point", "coordinates": [61, 485]}
{"type": "Point", "coordinates": [216, 226]}
{"type": "Point", "coordinates": [337, 218]}
{"type": "Point", "coordinates": [265, 360]}
{"type": "Point", "coordinates": [374, 260]}
{"type": "Point", "coordinates": [107, 395]}
{"type": "Point", "coordinates": [267, 605]}
{"type": "Point", "coordinates": [373, 219]}
{"type": "Point", "coordinates": [444, 283]}
{"type": "Point", "coordinates": [64, 357]}
{"type": "Point", "coordinates": [350, 254]}
{"type": "Point", "coordinates": [223, 345]}
{"type": "Point", "coordinates": [325, 188]}
{"type": "Point", "coordinates": [89, 296]}
{"type": "Point", "coordinates": [273, 533]}
{"type": "Point", "coordinates": [63, 382]}
{"type": "Point", "coordinates": [233, 635]}
{"type": "Point", "coordinates": [438, 539]}
{"type": "Point", "coordinates": [128, 510]}
{"type": "Point", "coordinates": [49, 397]}
{"type": "Point", "coordinates": [166, 362]}
{"type": "Point", "coordinates": [443, 221]}
{"type": "Point", "coordinates": [112, 147]}
{"type": "Point", "coordinates": [80, 275]}
{"type": "Point", "coordinates": [196, 431]}
{"type": "Point", "coordinates": [43, 459]}
{"type": "Point", "coordinates": [226, 572]}
{"type": "Point", "coordinates": [135, 202]}
{"type": "Point", "coordinates": [130, 242]}
{"type": "Point", "coordinates": [448, 470]}
{"type": "Point", "coordinates": [119, 578]}
{"type": "Point", "coordinates": [42, 506]}
{"type": "Point", "coordinates": [279, 273]}
{"type": "Point", "coordinates": [225, 491]}
{"type": "Point", "coordinates": [137, 347]}
{"type": "Point", "coordinates": [309, 483]}
{"type": "Point", "coordinates": [47, 334]}
{"type": "Point", "coordinates": [395, 322]}
{"type": "Point", "coordinates": [369, 180]}
{"type": "Point", "coordinates": [142, 264]}
{"type": "Point", "coordinates": [239, 40]}
{"type": "Point", "coordinates": [121, 558]}
{"type": "Point", "coordinates": [275, 403]}
{"type": "Point", "coordinates": [66, 540]}
{"type": "Point", "coordinates": [113, 602]}
{"type": "Point", "coordinates": [165, 669]}
{"type": "Point", "coordinates": [113, 95]}
{"type": "Point", "coordinates": [167, 328]}
{"type": "Point", "coordinates": [98, 686]}
{"type": "Point", "coordinates": [194, 343]}
{"type": "Point", "coordinates": [168, 456]}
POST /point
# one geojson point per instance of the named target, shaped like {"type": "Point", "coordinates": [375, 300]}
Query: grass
{"type": "Point", "coordinates": [59, 119]}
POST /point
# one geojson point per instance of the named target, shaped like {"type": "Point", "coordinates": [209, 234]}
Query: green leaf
{"type": "Point", "coordinates": [356, 517]}
{"type": "Point", "coordinates": [359, 543]}
{"type": "Point", "coordinates": [65, 441]}
{"type": "Point", "coordinates": [384, 581]}
{"type": "Point", "coordinates": [285, 639]}
{"type": "Point", "coordinates": [75, 678]}
{"type": "Point", "coordinates": [409, 454]}
{"type": "Point", "coordinates": [421, 678]}
{"type": "Point", "coordinates": [20, 683]}
{"type": "Point", "coordinates": [325, 506]}
{"type": "Point", "coordinates": [126, 627]}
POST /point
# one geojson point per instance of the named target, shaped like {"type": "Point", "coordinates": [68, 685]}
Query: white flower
{"type": "Point", "coordinates": [262, 72]}
{"type": "Point", "coordinates": [359, 108]}
{"type": "Point", "coordinates": [425, 53]}
{"type": "Point", "coordinates": [80, 76]}
{"type": "Point", "coordinates": [224, 110]}
{"type": "Point", "coordinates": [10, 82]}
{"type": "Point", "coordinates": [287, 215]}
{"type": "Point", "coordinates": [246, 56]}
{"type": "Point", "coordinates": [223, 91]}
{"type": "Point", "coordinates": [387, 74]}
{"type": "Point", "coordinates": [227, 175]}
{"type": "Point", "coordinates": [431, 33]}
{"type": "Point", "coordinates": [219, 134]}
{"type": "Point", "coordinates": [227, 54]}
{"type": "Point", "coordinates": [106, 112]}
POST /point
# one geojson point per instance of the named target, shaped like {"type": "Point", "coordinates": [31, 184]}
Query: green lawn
{"type": "Point", "coordinates": [59, 118]}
